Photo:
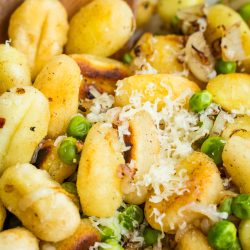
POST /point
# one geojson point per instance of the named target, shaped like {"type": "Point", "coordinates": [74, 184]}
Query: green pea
{"type": "Point", "coordinates": [200, 101]}
{"type": "Point", "coordinates": [244, 234]}
{"type": "Point", "coordinates": [150, 236]}
{"type": "Point", "coordinates": [222, 235]}
{"type": "Point", "coordinates": [70, 187]}
{"type": "Point", "coordinates": [226, 206]}
{"type": "Point", "coordinates": [131, 217]}
{"type": "Point", "coordinates": [67, 151]}
{"type": "Point", "coordinates": [113, 245]}
{"type": "Point", "coordinates": [245, 12]}
{"type": "Point", "coordinates": [127, 58]}
{"type": "Point", "coordinates": [236, 245]}
{"type": "Point", "coordinates": [107, 233]}
{"type": "Point", "coordinates": [213, 147]}
{"type": "Point", "coordinates": [223, 67]}
{"type": "Point", "coordinates": [241, 206]}
{"type": "Point", "coordinates": [78, 127]}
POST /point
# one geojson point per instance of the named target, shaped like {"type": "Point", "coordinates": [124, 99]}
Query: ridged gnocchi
{"type": "Point", "coordinates": [39, 30]}
{"type": "Point", "coordinates": [14, 68]}
{"type": "Point", "coordinates": [39, 202]}
{"type": "Point", "coordinates": [24, 116]}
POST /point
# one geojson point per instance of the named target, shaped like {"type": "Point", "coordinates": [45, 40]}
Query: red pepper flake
{"type": "Point", "coordinates": [20, 91]}
{"type": "Point", "coordinates": [2, 122]}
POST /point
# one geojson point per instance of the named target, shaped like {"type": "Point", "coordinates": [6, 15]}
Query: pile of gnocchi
{"type": "Point", "coordinates": [126, 126]}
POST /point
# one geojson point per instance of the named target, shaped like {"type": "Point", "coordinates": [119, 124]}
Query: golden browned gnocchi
{"type": "Point", "coordinates": [145, 150]}
{"type": "Point", "coordinates": [236, 159]}
{"type": "Point", "coordinates": [100, 160]}
{"type": "Point", "coordinates": [39, 202]}
{"type": "Point", "coordinates": [161, 52]}
{"type": "Point", "coordinates": [151, 87]}
{"type": "Point", "coordinates": [39, 30]}
{"type": "Point", "coordinates": [193, 239]}
{"type": "Point", "coordinates": [202, 173]}
{"type": "Point", "coordinates": [100, 72]}
{"type": "Point", "coordinates": [231, 91]}
{"type": "Point", "coordinates": [100, 28]}
{"type": "Point", "coordinates": [59, 81]}
{"type": "Point", "coordinates": [220, 18]}
{"type": "Point", "coordinates": [14, 68]}
{"type": "Point", "coordinates": [18, 238]}
{"type": "Point", "coordinates": [24, 115]}
{"type": "Point", "coordinates": [84, 237]}
{"type": "Point", "coordinates": [109, 137]}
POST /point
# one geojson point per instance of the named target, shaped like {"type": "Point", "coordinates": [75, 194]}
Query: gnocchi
{"type": "Point", "coordinates": [100, 160]}
{"type": "Point", "coordinates": [24, 116]}
{"type": "Point", "coordinates": [39, 202]}
{"type": "Point", "coordinates": [39, 30]}
{"type": "Point", "coordinates": [14, 68]}
{"type": "Point", "coordinates": [61, 73]}
{"type": "Point", "coordinates": [231, 91]}
{"type": "Point", "coordinates": [86, 28]}
{"type": "Point", "coordinates": [202, 173]}
{"type": "Point", "coordinates": [236, 159]}
{"type": "Point", "coordinates": [18, 238]}
{"type": "Point", "coordinates": [162, 85]}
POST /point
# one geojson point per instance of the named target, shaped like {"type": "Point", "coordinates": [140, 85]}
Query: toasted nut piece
{"type": "Point", "coordinates": [59, 81]}
{"type": "Point", "coordinates": [24, 118]}
{"type": "Point", "coordinates": [18, 238]}
{"type": "Point", "coordinates": [100, 28]}
{"type": "Point", "coordinates": [202, 173]}
{"type": "Point", "coordinates": [145, 149]}
{"type": "Point", "coordinates": [14, 68]}
{"type": "Point", "coordinates": [39, 30]}
{"type": "Point", "coordinates": [161, 52]}
{"type": "Point", "coordinates": [193, 239]}
{"type": "Point", "coordinates": [100, 72]}
{"type": "Point", "coordinates": [48, 160]}
{"type": "Point", "coordinates": [98, 182]}
{"type": "Point", "coordinates": [39, 202]}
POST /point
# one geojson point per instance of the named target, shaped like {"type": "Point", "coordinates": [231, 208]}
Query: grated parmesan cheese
{"type": "Point", "coordinates": [158, 217]}
{"type": "Point", "coordinates": [177, 130]}
{"type": "Point", "coordinates": [209, 211]}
